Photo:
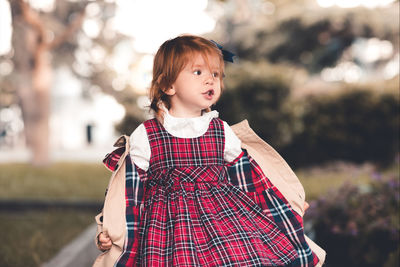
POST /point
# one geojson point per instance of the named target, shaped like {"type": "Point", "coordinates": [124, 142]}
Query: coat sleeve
{"type": "Point", "coordinates": [134, 195]}
{"type": "Point", "coordinates": [110, 161]}
{"type": "Point", "coordinates": [248, 176]}
{"type": "Point", "coordinates": [135, 179]}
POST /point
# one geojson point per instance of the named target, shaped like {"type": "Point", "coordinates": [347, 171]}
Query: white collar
{"type": "Point", "coordinates": [188, 127]}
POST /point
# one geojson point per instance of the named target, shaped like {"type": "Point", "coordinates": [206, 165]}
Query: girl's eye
{"type": "Point", "coordinates": [215, 74]}
{"type": "Point", "coordinates": [197, 72]}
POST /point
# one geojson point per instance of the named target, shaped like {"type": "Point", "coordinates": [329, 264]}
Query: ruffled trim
{"type": "Point", "coordinates": [188, 127]}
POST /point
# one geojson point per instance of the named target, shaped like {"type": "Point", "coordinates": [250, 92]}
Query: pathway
{"type": "Point", "coordinates": [81, 252]}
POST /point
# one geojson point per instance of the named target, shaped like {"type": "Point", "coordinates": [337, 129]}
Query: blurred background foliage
{"type": "Point", "coordinates": [313, 40]}
{"type": "Point", "coordinates": [357, 123]}
{"type": "Point", "coordinates": [275, 84]}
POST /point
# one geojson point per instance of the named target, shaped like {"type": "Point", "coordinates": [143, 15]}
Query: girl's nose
{"type": "Point", "coordinates": [210, 79]}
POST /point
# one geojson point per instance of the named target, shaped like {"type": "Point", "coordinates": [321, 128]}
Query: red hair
{"type": "Point", "coordinates": [170, 59]}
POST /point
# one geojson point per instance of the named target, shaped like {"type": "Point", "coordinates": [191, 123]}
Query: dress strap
{"type": "Point", "coordinates": [153, 128]}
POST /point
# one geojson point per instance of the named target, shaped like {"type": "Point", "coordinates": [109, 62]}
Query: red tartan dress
{"type": "Point", "coordinates": [193, 216]}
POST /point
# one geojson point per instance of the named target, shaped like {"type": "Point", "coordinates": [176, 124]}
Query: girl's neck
{"type": "Point", "coordinates": [184, 113]}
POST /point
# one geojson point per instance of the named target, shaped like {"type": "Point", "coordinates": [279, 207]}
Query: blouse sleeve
{"type": "Point", "coordinates": [140, 148]}
{"type": "Point", "coordinates": [232, 144]}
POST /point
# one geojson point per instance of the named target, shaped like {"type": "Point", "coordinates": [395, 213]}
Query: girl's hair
{"type": "Point", "coordinates": [170, 59]}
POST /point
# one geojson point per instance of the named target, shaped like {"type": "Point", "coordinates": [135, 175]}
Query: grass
{"type": "Point", "coordinates": [29, 237]}
{"type": "Point", "coordinates": [60, 181]}
{"type": "Point", "coordinates": [33, 237]}
{"type": "Point", "coordinates": [319, 181]}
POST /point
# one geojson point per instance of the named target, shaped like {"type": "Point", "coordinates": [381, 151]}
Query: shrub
{"type": "Point", "coordinates": [358, 225]}
{"type": "Point", "coordinates": [357, 126]}
{"type": "Point", "coordinates": [358, 123]}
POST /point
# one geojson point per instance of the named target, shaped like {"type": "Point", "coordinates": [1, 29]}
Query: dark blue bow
{"type": "Point", "coordinates": [227, 56]}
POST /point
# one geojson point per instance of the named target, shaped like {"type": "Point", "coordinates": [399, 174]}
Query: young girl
{"type": "Point", "coordinates": [184, 192]}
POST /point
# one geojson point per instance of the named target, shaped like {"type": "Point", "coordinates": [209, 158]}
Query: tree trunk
{"type": "Point", "coordinates": [32, 81]}
{"type": "Point", "coordinates": [41, 80]}
{"type": "Point", "coordinates": [33, 76]}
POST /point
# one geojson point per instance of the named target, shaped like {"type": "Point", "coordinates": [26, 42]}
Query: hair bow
{"type": "Point", "coordinates": [227, 55]}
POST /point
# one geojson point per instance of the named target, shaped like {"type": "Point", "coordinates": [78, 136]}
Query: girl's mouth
{"type": "Point", "coordinates": [209, 93]}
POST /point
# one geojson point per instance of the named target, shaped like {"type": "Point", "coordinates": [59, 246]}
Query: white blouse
{"type": "Point", "coordinates": [184, 128]}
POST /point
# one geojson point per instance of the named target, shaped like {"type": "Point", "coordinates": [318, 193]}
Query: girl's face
{"type": "Point", "coordinates": [197, 87]}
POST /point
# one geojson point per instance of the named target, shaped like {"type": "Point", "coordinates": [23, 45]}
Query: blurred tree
{"type": "Point", "coordinates": [302, 33]}
{"type": "Point", "coordinates": [43, 41]}
{"type": "Point", "coordinates": [32, 46]}
{"type": "Point", "coordinates": [311, 129]}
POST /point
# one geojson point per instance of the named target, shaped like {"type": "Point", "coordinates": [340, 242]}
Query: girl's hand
{"type": "Point", "coordinates": [104, 241]}
{"type": "Point", "coordinates": [306, 206]}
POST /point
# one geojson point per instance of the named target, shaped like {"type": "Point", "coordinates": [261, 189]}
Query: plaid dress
{"type": "Point", "coordinates": [192, 209]}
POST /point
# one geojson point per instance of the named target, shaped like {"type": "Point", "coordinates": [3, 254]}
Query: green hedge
{"type": "Point", "coordinates": [351, 124]}
{"type": "Point", "coordinates": [357, 126]}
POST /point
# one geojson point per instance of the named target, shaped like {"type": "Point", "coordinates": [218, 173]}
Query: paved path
{"type": "Point", "coordinates": [81, 252]}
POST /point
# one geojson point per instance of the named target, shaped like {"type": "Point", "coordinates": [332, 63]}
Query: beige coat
{"type": "Point", "coordinates": [272, 164]}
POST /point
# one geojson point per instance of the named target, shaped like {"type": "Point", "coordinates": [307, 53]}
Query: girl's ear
{"type": "Point", "coordinates": [170, 91]}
